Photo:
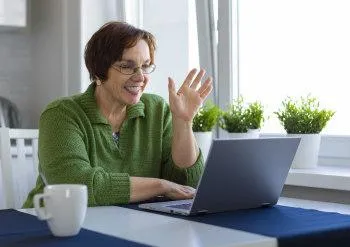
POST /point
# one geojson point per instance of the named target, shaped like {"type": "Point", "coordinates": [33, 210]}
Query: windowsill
{"type": "Point", "coordinates": [324, 177]}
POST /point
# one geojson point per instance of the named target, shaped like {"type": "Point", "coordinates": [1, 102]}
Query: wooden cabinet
{"type": "Point", "coordinates": [13, 13]}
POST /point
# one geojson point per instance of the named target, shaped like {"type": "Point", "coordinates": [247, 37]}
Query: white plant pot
{"type": "Point", "coordinates": [204, 140]}
{"type": "Point", "coordinates": [252, 133]}
{"type": "Point", "coordinates": [307, 152]}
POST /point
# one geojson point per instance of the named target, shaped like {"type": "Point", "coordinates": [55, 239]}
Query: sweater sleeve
{"type": "Point", "coordinates": [186, 176]}
{"type": "Point", "coordinates": [63, 155]}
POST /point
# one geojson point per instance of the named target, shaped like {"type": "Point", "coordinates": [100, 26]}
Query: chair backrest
{"type": "Point", "coordinates": [19, 165]}
{"type": "Point", "coordinates": [9, 114]}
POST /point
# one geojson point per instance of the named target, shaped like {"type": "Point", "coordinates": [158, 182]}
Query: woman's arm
{"type": "Point", "coordinates": [184, 149]}
{"type": "Point", "coordinates": [184, 105]}
{"type": "Point", "coordinates": [170, 170]}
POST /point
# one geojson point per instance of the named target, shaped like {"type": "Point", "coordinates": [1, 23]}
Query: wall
{"type": "Point", "coordinates": [46, 45]}
{"type": "Point", "coordinates": [16, 82]}
{"type": "Point", "coordinates": [41, 62]}
{"type": "Point", "coordinates": [55, 39]}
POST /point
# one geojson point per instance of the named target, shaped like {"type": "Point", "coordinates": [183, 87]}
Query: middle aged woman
{"type": "Point", "coordinates": [125, 145]}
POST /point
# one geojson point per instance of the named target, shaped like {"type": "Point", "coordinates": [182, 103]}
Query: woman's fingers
{"type": "Point", "coordinates": [178, 191]}
{"type": "Point", "coordinates": [206, 92]}
{"type": "Point", "coordinates": [183, 194]}
{"type": "Point", "coordinates": [206, 88]}
{"type": "Point", "coordinates": [187, 189]}
{"type": "Point", "coordinates": [188, 80]}
{"type": "Point", "coordinates": [198, 79]}
{"type": "Point", "coordinates": [171, 86]}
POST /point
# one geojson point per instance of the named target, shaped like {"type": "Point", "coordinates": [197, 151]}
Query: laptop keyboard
{"type": "Point", "coordinates": [181, 206]}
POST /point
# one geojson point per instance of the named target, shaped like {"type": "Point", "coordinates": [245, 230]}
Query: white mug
{"type": "Point", "coordinates": [64, 208]}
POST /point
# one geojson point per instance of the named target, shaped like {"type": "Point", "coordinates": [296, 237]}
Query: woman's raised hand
{"type": "Point", "coordinates": [185, 103]}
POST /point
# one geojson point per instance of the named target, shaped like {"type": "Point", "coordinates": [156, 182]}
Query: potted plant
{"type": "Point", "coordinates": [304, 118]}
{"type": "Point", "coordinates": [242, 119]}
{"type": "Point", "coordinates": [203, 124]}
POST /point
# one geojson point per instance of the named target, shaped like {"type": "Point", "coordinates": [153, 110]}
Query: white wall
{"type": "Point", "coordinates": [55, 40]}
{"type": "Point", "coordinates": [16, 83]}
{"type": "Point", "coordinates": [47, 55]}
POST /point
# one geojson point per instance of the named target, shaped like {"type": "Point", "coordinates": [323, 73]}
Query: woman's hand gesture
{"type": "Point", "coordinates": [185, 103]}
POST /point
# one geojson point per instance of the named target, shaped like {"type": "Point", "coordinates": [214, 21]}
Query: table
{"type": "Point", "coordinates": [160, 230]}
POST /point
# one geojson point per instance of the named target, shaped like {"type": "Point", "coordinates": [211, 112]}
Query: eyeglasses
{"type": "Point", "coordinates": [130, 70]}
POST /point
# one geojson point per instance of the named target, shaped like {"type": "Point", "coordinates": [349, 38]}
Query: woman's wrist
{"type": "Point", "coordinates": [163, 186]}
{"type": "Point", "coordinates": [181, 125]}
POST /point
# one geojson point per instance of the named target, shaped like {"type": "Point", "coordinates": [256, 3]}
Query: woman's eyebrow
{"type": "Point", "coordinates": [129, 61]}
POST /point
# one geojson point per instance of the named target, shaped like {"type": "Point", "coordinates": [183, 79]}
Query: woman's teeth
{"type": "Point", "coordinates": [133, 89]}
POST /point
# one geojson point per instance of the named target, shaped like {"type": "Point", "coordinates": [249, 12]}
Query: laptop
{"type": "Point", "coordinates": [238, 174]}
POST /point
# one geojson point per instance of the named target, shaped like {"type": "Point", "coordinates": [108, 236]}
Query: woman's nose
{"type": "Point", "coordinates": [138, 74]}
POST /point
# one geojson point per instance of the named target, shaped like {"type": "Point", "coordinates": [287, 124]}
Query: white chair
{"type": "Point", "coordinates": [19, 165]}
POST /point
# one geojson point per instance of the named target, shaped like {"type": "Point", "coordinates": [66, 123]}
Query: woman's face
{"type": "Point", "coordinates": [127, 89]}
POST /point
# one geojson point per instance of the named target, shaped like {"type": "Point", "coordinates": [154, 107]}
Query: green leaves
{"type": "Point", "coordinates": [241, 116]}
{"type": "Point", "coordinates": [303, 116]}
{"type": "Point", "coordinates": [206, 118]}
{"type": "Point", "coordinates": [254, 115]}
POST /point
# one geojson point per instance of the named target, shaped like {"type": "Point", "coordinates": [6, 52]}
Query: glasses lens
{"type": "Point", "coordinates": [126, 70]}
{"type": "Point", "coordinates": [148, 69]}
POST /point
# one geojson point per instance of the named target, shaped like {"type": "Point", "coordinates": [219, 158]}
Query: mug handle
{"type": "Point", "coordinates": [40, 212]}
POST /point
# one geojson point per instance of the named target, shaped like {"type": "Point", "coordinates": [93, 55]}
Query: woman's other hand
{"type": "Point", "coordinates": [143, 188]}
{"type": "Point", "coordinates": [176, 191]}
{"type": "Point", "coordinates": [185, 103]}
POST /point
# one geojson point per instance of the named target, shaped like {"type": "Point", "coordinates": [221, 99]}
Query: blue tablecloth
{"type": "Point", "coordinates": [19, 229]}
{"type": "Point", "coordinates": [291, 226]}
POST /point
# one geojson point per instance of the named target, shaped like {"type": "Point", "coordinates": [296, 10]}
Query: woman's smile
{"type": "Point", "coordinates": [134, 90]}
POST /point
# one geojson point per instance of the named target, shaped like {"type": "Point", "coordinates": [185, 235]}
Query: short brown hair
{"type": "Point", "coordinates": [107, 45]}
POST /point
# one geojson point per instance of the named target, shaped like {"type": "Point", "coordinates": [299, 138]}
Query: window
{"type": "Point", "coordinates": [293, 48]}
{"type": "Point", "coordinates": [192, 36]}
{"type": "Point", "coordinates": [134, 12]}
{"type": "Point", "coordinates": [288, 48]}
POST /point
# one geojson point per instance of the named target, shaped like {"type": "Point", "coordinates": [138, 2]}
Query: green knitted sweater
{"type": "Point", "coordinates": [76, 146]}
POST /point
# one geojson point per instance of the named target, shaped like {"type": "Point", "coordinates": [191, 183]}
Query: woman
{"type": "Point", "coordinates": [126, 146]}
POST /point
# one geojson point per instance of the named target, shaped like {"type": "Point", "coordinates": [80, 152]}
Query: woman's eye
{"type": "Point", "coordinates": [125, 66]}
